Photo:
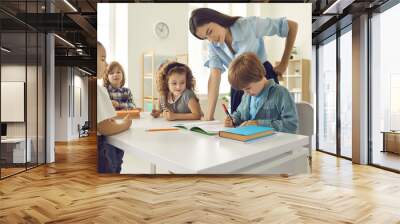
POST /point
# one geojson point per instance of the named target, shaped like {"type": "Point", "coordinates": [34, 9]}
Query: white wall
{"type": "Point", "coordinates": [16, 73]}
{"type": "Point", "coordinates": [33, 127]}
{"type": "Point", "coordinates": [50, 95]}
{"type": "Point", "coordinates": [300, 13]}
{"type": "Point", "coordinates": [61, 104]}
{"type": "Point", "coordinates": [140, 37]}
{"type": "Point", "coordinates": [112, 32]}
{"type": "Point", "coordinates": [80, 114]}
{"type": "Point", "coordinates": [84, 84]}
{"type": "Point", "coordinates": [66, 121]}
{"type": "Point", "coordinates": [141, 21]}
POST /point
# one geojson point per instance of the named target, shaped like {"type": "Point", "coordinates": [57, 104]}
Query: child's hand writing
{"type": "Point", "coordinates": [228, 122]}
{"type": "Point", "coordinates": [248, 123]}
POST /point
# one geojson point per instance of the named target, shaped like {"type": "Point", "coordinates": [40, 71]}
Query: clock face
{"type": "Point", "coordinates": [161, 30]}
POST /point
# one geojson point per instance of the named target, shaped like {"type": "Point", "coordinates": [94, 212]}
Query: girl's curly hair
{"type": "Point", "coordinates": [164, 72]}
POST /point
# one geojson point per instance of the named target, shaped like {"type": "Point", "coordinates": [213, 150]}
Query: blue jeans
{"type": "Point", "coordinates": [109, 158]}
{"type": "Point", "coordinates": [236, 95]}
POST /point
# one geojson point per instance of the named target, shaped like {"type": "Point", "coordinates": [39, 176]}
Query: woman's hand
{"type": "Point", "coordinates": [280, 70]}
{"type": "Point", "coordinates": [228, 122]}
{"type": "Point", "coordinates": [208, 117]}
{"type": "Point", "coordinates": [249, 123]}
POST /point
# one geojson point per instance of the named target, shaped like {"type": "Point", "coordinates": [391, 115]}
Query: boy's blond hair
{"type": "Point", "coordinates": [245, 69]}
{"type": "Point", "coordinates": [114, 66]}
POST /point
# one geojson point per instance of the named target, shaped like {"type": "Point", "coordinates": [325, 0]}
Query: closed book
{"type": "Point", "coordinates": [246, 133]}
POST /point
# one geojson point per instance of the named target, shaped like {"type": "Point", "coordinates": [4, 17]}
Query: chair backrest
{"type": "Point", "coordinates": [305, 112]}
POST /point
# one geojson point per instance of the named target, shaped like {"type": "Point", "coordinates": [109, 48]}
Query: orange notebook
{"type": "Point", "coordinates": [134, 113]}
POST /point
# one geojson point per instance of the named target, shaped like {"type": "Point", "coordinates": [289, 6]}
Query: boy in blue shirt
{"type": "Point", "coordinates": [264, 103]}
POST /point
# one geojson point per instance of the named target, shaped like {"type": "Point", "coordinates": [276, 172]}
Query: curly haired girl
{"type": "Point", "coordinates": [176, 84]}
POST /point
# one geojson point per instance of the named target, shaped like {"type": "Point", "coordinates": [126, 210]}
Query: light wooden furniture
{"type": "Point", "coordinates": [188, 152]}
{"type": "Point", "coordinates": [150, 64]}
{"type": "Point", "coordinates": [297, 79]}
{"type": "Point", "coordinates": [391, 141]}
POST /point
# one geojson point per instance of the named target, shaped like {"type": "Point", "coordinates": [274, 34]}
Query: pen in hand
{"type": "Point", "coordinates": [227, 113]}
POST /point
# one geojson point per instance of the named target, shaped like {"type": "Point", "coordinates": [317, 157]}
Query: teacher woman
{"type": "Point", "coordinates": [231, 36]}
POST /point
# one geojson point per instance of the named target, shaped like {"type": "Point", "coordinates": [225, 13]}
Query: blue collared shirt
{"type": "Point", "coordinates": [255, 103]}
{"type": "Point", "coordinates": [276, 109]}
{"type": "Point", "coordinates": [247, 36]}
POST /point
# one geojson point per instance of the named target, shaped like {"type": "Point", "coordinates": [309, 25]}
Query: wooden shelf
{"type": "Point", "coordinates": [297, 79]}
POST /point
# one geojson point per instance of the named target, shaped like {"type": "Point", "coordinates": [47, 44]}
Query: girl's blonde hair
{"type": "Point", "coordinates": [112, 67]}
{"type": "Point", "coordinates": [166, 69]}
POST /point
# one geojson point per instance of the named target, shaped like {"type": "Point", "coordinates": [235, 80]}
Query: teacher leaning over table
{"type": "Point", "coordinates": [231, 36]}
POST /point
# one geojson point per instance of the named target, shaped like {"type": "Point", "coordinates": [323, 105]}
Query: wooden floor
{"type": "Point", "coordinates": [387, 159]}
{"type": "Point", "coordinates": [10, 171]}
{"type": "Point", "coordinates": [71, 191]}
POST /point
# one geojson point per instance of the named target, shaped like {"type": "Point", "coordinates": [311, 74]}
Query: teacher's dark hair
{"type": "Point", "coordinates": [203, 16]}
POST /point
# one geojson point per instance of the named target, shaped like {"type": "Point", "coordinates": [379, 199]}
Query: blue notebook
{"type": "Point", "coordinates": [247, 133]}
{"type": "Point", "coordinates": [249, 130]}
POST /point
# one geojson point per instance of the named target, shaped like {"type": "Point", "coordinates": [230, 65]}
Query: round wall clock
{"type": "Point", "coordinates": [161, 30]}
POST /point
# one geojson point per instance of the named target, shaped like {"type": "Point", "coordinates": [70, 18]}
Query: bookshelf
{"type": "Point", "coordinates": [150, 64]}
{"type": "Point", "coordinates": [297, 79]}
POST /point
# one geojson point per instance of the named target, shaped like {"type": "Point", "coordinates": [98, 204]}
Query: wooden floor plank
{"type": "Point", "coordinates": [71, 191]}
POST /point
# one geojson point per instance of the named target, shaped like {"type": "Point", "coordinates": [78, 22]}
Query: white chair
{"type": "Point", "coordinates": [305, 112]}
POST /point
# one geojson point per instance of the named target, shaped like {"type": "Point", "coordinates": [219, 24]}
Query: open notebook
{"type": "Point", "coordinates": [204, 127]}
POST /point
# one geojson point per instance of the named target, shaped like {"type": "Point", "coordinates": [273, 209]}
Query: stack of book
{"type": "Point", "coordinates": [247, 133]}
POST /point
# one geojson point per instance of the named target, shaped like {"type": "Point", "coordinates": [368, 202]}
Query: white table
{"type": "Point", "coordinates": [18, 149]}
{"type": "Point", "coordinates": [187, 152]}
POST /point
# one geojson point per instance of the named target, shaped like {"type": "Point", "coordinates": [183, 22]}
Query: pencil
{"type": "Point", "coordinates": [162, 129]}
{"type": "Point", "coordinates": [227, 113]}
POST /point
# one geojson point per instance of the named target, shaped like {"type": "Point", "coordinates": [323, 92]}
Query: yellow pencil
{"type": "Point", "coordinates": [162, 129]}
